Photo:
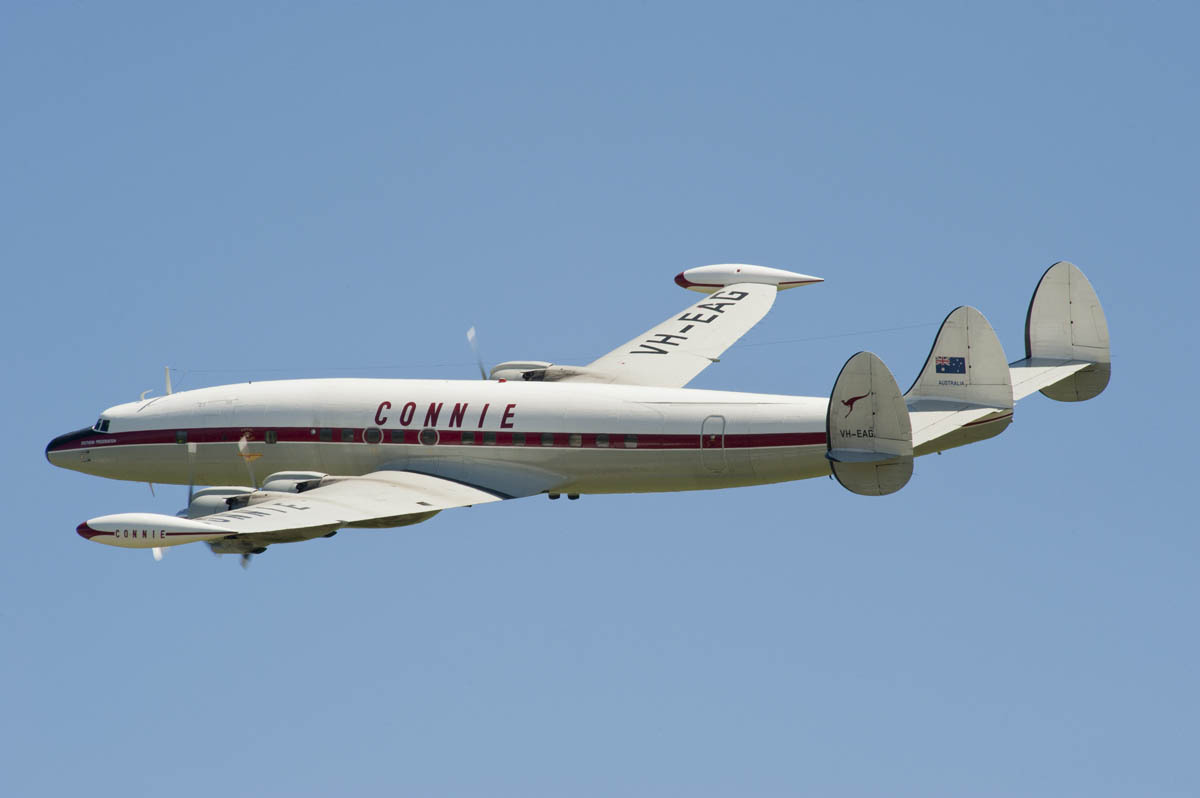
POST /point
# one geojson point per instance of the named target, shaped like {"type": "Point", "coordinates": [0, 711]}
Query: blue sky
{"type": "Point", "coordinates": [292, 190]}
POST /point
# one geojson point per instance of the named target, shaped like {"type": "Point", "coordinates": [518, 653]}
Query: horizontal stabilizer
{"type": "Point", "coordinates": [1034, 374]}
{"type": "Point", "coordinates": [868, 434]}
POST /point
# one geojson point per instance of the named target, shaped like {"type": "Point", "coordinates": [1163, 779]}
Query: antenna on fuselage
{"type": "Point", "coordinates": [475, 348]}
{"type": "Point", "coordinates": [167, 369]}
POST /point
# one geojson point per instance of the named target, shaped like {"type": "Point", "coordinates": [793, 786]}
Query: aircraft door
{"type": "Point", "coordinates": [712, 443]}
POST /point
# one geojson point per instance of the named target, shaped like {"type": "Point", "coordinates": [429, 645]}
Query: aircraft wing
{"type": "Point", "coordinates": [379, 499]}
{"type": "Point", "coordinates": [671, 354]}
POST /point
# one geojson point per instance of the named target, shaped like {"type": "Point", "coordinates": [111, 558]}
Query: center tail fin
{"type": "Point", "coordinates": [964, 392]}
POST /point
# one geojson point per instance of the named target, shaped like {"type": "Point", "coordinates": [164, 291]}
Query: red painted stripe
{"type": "Point", "coordinates": [87, 533]}
{"type": "Point", "coordinates": [452, 437]}
{"type": "Point", "coordinates": [988, 420]}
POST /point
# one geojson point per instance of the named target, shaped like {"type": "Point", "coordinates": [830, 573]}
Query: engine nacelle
{"type": "Point", "coordinates": [541, 371]}
{"type": "Point", "coordinates": [518, 369]}
{"type": "Point", "coordinates": [293, 481]}
{"type": "Point", "coordinates": [207, 501]}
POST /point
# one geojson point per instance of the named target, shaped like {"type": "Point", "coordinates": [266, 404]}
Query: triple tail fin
{"type": "Point", "coordinates": [1067, 355]}
{"type": "Point", "coordinates": [964, 393]}
{"type": "Point", "coordinates": [868, 434]}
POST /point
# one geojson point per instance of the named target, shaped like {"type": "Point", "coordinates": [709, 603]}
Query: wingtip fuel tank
{"type": "Point", "coordinates": [707, 279]}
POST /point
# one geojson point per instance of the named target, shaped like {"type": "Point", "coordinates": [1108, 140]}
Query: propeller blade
{"type": "Point", "coordinates": [191, 453]}
{"type": "Point", "coordinates": [475, 348]}
{"type": "Point", "coordinates": [248, 457]}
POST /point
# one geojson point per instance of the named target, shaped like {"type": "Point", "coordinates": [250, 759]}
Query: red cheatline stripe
{"type": "Point", "coordinates": [86, 531]}
{"type": "Point", "coordinates": [588, 440]}
{"type": "Point", "coordinates": [989, 420]}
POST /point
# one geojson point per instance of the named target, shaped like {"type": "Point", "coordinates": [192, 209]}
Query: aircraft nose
{"type": "Point", "coordinates": [69, 441]}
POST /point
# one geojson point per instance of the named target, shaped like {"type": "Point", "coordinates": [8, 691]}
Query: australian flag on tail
{"type": "Point", "coordinates": [950, 365]}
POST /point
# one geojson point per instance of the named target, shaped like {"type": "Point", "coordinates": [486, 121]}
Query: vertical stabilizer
{"type": "Point", "coordinates": [1065, 325]}
{"type": "Point", "coordinates": [868, 433]}
{"type": "Point", "coordinates": [964, 392]}
{"type": "Point", "coordinates": [966, 364]}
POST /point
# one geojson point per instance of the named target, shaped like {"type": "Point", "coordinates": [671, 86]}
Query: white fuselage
{"type": "Point", "coordinates": [518, 437]}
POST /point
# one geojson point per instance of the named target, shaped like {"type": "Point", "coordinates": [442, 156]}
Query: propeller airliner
{"type": "Point", "coordinates": [380, 453]}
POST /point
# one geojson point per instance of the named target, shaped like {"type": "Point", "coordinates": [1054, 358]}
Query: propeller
{"type": "Point", "coordinates": [475, 348]}
{"type": "Point", "coordinates": [191, 456]}
{"type": "Point", "coordinates": [159, 551]}
{"type": "Point", "coordinates": [248, 457]}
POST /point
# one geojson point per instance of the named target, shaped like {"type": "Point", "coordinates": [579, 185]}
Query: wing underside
{"type": "Point", "coordinates": [379, 499]}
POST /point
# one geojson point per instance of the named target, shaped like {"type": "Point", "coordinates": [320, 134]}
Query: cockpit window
{"type": "Point", "coordinates": [101, 424]}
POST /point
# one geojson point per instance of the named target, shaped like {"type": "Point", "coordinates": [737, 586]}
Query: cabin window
{"type": "Point", "coordinates": [373, 435]}
{"type": "Point", "coordinates": [347, 436]}
{"type": "Point", "coordinates": [518, 439]}
{"type": "Point", "coordinates": [547, 439]}
{"type": "Point", "coordinates": [428, 436]}
{"type": "Point", "coordinates": [489, 439]}
{"type": "Point", "coordinates": [326, 434]}
{"type": "Point", "coordinates": [630, 441]}
{"type": "Point", "coordinates": [397, 436]}
{"type": "Point", "coordinates": [575, 439]}
{"type": "Point", "coordinates": [271, 436]}
{"type": "Point", "coordinates": [468, 437]}
{"type": "Point", "coordinates": [602, 441]}
{"type": "Point", "coordinates": [181, 436]}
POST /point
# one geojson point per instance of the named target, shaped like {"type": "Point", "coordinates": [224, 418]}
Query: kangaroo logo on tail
{"type": "Point", "coordinates": [849, 403]}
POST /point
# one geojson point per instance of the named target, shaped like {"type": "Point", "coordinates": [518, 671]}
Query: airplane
{"type": "Point", "coordinates": [376, 453]}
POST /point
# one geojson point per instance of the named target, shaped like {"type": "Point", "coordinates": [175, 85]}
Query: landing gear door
{"type": "Point", "coordinates": [712, 444]}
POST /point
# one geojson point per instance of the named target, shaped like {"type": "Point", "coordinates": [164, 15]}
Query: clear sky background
{"type": "Point", "coordinates": [254, 191]}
